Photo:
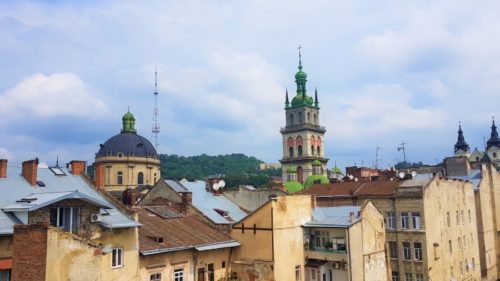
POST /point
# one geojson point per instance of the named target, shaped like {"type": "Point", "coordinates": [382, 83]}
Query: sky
{"type": "Point", "coordinates": [387, 72]}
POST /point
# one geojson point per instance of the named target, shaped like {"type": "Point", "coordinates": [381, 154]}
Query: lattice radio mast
{"type": "Point", "coordinates": [156, 127]}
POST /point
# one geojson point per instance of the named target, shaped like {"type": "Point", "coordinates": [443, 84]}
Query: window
{"type": "Point", "coordinates": [404, 220]}
{"type": "Point", "coordinates": [117, 257]}
{"type": "Point", "coordinates": [154, 182]}
{"type": "Point", "coordinates": [452, 273]}
{"type": "Point", "coordinates": [297, 273]}
{"type": "Point", "coordinates": [395, 276]}
{"type": "Point", "coordinates": [461, 268]}
{"type": "Point", "coordinates": [415, 217]}
{"type": "Point", "coordinates": [462, 216]}
{"type": "Point", "coordinates": [299, 150]}
{"type": "Point", "coordinates": [393, 249]}
{"type": "Point", "coordinates": [179, 274]}
{"type": "Point", "coordinates": [309, 117]}
{"type": "Point", "coordinates": [300, 118]}
{"type": "Point", "coordinates": [450, 248]}
{"type": "Point", "coordinates": [290, 151]}
{"type": "Point", "coordinates": [119, 178]}
{"type": "Point", "coordinates": [419, 277]}
{"type": "Point", "coordinates": [223, 264]}
{"type": "Point", "coordinates": [467, 265]}
{"type": "Point", "coordinates": [391, 220]}
{"type": "Point", "coordinates": [470, 216]}
{"type": "Point", "coordinates": [459, 243]}
{"type": "Point", "coordinates": [291, 119]}
{"type": "Point", "coordinates": [315, 118]}
{"type": "Point", "coordinates": [465, 242]}
{"type": "Point", "coordinates": [471, 240]}
{"type": "Point", "coordinates": [417, 248]}
{"type": "Point", "coordinates": [458, 219]}
{"type": "Point", "coordinates": [473, 263]}
{"type": "Point", "coordinates": [318, 150]}
{"type": "Point", "coordinates": [211, 272]}
{"type": "Point", "coordinates": [312, 149]}
{"type": "Point", "coordinates": [408, 276]}
{"type": "Point", "coordinates": [406, 251]}
{"type": "Point", "coordinates": [448, 219]}
{"type": "Point", "coordinates": [155, 277]}
{"type": "Point", "coordinates": [494, 155]}
{"type": "Point", "coordinates": [140, 178]}
{"type": "Point", "coordinates": [67, 218]}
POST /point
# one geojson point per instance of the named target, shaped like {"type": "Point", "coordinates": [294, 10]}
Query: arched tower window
{"type": "Point", "coordinates": [315, 119]}
{"type": "Point", "coordinates": [119, 177]}
{"type": "Point", "coordinates": [312, 149]}
{"type": "Point", "coordinates": [300, 118]}
{"type": "Point", "coordinates": [309, 117]}
{"type": "Point", "coordinates": [299, 150]}
{"type": "Point", "coordinates": [318, 150]}
{"type": "Point", "coordinates": [140, 178]}
{"type": "Point", "coordinates": [494, 155]}
{"type": "Point", "coordinates": [291, 119]}
{"type": "Point", "coordinates": [290, 151]}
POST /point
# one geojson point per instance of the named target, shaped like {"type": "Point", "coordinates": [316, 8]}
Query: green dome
{"type": "Point", "coordinates": [299, 100]}
{"type": "Point", "coordinates": [291, 169]}
{"type": "Point", "coordinates": [336, 170]}
{"type": "Point", "coordinates": [128, 121]}
{"type": "Point", "coordinates": [311, 179]}
{"type": "Point", "coordinates": [316, 163]}
{"type": "Point", "coordinates": [300, 75]}
{"type": "Point", "coordinates": [293, 186]}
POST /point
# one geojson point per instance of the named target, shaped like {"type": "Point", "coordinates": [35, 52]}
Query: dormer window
{"type": "Point", "coordinates": [67, 218]}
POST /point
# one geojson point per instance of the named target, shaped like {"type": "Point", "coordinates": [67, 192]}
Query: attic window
{"type": "Point", "coordinates": [40, 183]}
{"type": "Point", "coordinates": [158, 239]}
{"type": "Point", "coordinates": [57, 171]}
{"type": "Point", "coordinates": [140, 145]}
{"type": "Point", "coordinates": [222, 212]}
{"type": "Point", "coordinates": [26, 200]}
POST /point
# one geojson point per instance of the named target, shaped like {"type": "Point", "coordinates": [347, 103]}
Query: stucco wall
{"type": "Point", "coordinates": [250, 200]}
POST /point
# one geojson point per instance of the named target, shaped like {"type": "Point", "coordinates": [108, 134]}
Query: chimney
{"type": "Point", "coordinates": [130, 197]}
{"type": "Point", "coordinates": [77, 167]}
{"type": "Point", "coordinates": [187, 200]}
{"type": "Point", "coordinates": [351, 216]}
{"type": "Point", "coordinates": [29, 171]}
{"type": "Point", "coordinates": [3, 168]}
{"type": "Point", "coordinates": [99, 175]}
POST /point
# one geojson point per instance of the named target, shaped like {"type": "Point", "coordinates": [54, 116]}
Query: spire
{"type": "Point", "coordinates": [494, 140]}
{"type": "Point", "coordinates": [300, 57]}
{"type": "Point", "coordinates": [287, 102]}
{"type": "Point", "coordinates": [128, 121]}
{"type": "Point", "coordinates": [461, 144]}
{"type": "Point", "coordinates": [316, 102]}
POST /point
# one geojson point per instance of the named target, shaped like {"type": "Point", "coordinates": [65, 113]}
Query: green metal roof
{"type": "Point", "coordinates": [293, 186]}
{"type": "Point", "coordinates": [311, 179]}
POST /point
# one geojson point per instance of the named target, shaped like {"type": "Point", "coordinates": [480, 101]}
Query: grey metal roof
{"type": "Point", "coordinates": [175, 186]}
{"type": "Point", "coordinates": [206, 202]}
{"type": "Point", "coordinates": [39, 200]}
{"type": "Point", "coordinates": [215, 246]}
{"type": "Point", "coordinates": [15, 187]}
{"type": "Point", "coordinates": [333, 216]}
{"type": "Point", "coordinates": [474, 177]}
{"type": "Point", "coordinates": [130, 144]}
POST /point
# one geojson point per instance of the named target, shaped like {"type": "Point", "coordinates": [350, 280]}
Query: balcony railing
{"type": "Point", "coordinates": [324, 250]}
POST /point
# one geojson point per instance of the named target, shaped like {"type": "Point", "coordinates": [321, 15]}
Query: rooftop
{"type": "Point", "coordinates": [334, 216]}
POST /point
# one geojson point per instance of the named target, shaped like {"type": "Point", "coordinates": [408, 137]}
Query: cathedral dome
{"type": "Point", "coordinates": [128, 142]}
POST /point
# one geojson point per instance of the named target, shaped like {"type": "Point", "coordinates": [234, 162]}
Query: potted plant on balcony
{"type": "Point", "coordinates": [328, 245]}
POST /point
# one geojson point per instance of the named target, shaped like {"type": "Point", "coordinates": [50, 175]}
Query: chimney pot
{"type": "Point", "coordinates": [3, 168]}
{"type": "Point", "coordinates": [78, 167]}
{"type": "Point", "coordinates": [187, 200]}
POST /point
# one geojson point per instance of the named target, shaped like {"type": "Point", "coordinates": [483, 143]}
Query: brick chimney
{"type": "Point", "coordinates": [77, 167]}
{"type": "Point", "coordinates": [99, 175]}
{"type": "Point", "coordinates": [187, 200]}
{"type": "Point", "coordinates": [3, 168]}
{"type": "Point", "coordinates": [313, 201]}
{"type": "Point", "coordinates": [130, 197]}
{"type": "Point", "coordinates": [29, 172]}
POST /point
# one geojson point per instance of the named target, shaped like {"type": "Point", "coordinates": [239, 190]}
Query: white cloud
{"type": "Point", "coordinates": [58, 94]}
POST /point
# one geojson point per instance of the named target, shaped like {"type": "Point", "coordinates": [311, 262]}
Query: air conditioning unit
{"type": "Point", "coordinates": [335, 265]}
{"type": "Point", "coordinates": [344, 265]}
{"type": "Point", "coordinates": [95, 218]}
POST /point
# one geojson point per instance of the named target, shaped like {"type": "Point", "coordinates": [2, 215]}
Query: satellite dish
{"type": "Point", "coordinates": [355, 179]}
{"type": "Point", "coordinates": [402, 175]}
{"type": "Point", "coordinates": [222, 184]}
{"type": "Point", "coordinates": [215, 186]}
{"type": "Point", "coordinates": [351, 177]}
{"type": "Point", "coordinates": [413, 174]}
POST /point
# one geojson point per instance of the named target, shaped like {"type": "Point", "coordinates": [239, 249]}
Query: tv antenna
{"type": "Point", "coordinates": [156, 127]}
{"type": "Point", "coordinates": [402, 147]}
{"type": "Point", "coordinates": [376, 156]}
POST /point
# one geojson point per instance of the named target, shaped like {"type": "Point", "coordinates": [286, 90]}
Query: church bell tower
{"type": "Point", "coordinates": [303, 137]}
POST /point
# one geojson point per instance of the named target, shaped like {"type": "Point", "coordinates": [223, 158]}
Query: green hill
{"type": "Point", "coordinates": [237, 168]}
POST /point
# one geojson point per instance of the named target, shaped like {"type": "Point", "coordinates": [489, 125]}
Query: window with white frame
{"type": "Point", "coordinates": [406, 251]}
{"type": "Point", "coordinates": [404, 220]}
{"type": "Point", "coordinates": [415, 217]}
{"type": "Point", "coordinates": [179, 274]}
{"type": "Point", "coordinates": [393, 249]}
{"type": "Point", "coordinates": [297, 273]}
{"type": "Point", "coordinates": [117, 257]}
{"type": "Point", "coordinates": [419, 277]}
{"type": "Point", "coordinates": [155, 277]}
{"type": "Point", "coordinates": [391, 220]}
{"type": "Point", "coordinates": [417, 248]}
{"type": "Point", "coordinates": [395, 276]}
{"type": "Point", "coordinates": [67, 218]}
{"type": "Point", "coordinates": [408, 276]}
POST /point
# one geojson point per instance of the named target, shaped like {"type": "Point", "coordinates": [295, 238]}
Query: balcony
{"type": "Point", "coordinates": [325, 254]}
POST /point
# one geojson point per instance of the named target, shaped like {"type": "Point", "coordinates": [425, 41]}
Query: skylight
{"type": "Point", "coordinates": [57, 171]}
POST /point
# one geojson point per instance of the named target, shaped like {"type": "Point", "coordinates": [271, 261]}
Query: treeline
{"type": "Point", "coordinates": [237, 168]}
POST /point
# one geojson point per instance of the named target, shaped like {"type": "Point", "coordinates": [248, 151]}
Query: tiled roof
{"type": "Point", "coordinates": [179, 233]}
{"type": "Point", "coordinates": [359, 188]}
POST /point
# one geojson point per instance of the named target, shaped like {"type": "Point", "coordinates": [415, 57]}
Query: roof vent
{"type": "Point", "coordinates": [26, 200]}
{"type": "Point", "coordinates": [40, 183]}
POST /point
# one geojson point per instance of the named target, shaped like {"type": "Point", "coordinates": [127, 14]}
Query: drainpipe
{"type": "Point", "coordinates": [349, 256]}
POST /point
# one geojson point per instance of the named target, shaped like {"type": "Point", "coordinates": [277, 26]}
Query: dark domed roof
{"type": "Point", "coordinates": [129, 144]}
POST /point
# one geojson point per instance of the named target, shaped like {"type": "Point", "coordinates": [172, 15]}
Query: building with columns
{"type": "Point", "coordinates": [303, 137]}
{"type": "Point", "coordinates": [126, 160]}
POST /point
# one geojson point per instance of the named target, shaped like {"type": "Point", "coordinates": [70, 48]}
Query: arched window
{"type": "Point", "coordinates": [309, 117]}
{"type": "Point", "coordinates": [290, 151]}
{"type": "Point", "coordinates": [315, 119]}
{"type": "Point", "coordinates": [312, 149]}
{"type": "Point", "coordinates": [318, 151]}
{"type": "Point", "coordinates": [140, 178]}
{"type": "Point", "coordinates": [300, 117]}
{"type": "Point", "coordinates": [154, 178]}
{"type": "Point", "coordinates": [494, 155]}
{"type": "Point", "coordinates": [299, 150]}
{"type": "Point", "coordinates": [291, 119]}
{"type": "Point", "coordinates": [477, 158]}
{"type": "Point", "coordinates": [119, 177]}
